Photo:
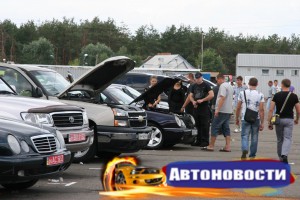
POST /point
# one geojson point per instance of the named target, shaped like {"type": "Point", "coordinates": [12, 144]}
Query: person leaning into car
{"type": "Point", "coordinates": [200, 95]}
{"type": "Point", "coordinates": [152, 100]}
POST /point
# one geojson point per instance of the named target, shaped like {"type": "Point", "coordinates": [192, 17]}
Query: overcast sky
{"type": "Point", "coordinates": [255, 17]}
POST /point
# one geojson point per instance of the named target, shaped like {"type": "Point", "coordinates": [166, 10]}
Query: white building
{"type": "Point", "coordinates": [266, 67]}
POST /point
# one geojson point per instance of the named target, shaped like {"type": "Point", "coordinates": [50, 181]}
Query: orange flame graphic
{"type": "Point", "coordinates": [108, 181]}
{"type": "Point", "coordinates": [154, 192]}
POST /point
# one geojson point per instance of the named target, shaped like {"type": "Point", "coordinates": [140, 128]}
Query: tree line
{"type": "Point", "coordinates": [66, 42]}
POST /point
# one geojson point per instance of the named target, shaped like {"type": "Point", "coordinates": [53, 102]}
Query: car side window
{"type": "Point", "coordinates": [139, 80]}
{"type": "Point", "coordinates": [17, 81]}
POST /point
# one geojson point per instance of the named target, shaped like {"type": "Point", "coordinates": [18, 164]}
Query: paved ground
{"type": "Point", "coordinates": [81, 181]}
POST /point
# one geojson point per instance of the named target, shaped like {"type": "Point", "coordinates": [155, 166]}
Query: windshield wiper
{"type": "Point", "coordinates": [6, 92]}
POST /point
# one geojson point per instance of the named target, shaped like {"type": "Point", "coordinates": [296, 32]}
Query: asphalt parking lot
{"type": "Point", "coordinates": [82, 181]}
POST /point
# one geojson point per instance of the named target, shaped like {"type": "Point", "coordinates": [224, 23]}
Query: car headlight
{"type": "Point", "coordinates": [24, 146]}
{"type": "Point", "coordinates": [38, 118]}
{"type": "Point", "coordinates": [60, 140]}
{"type": "Point", "coordinates": [183, 124]}
{"type": "Point", "coordinates": [85, 119]}
{"type": "Point", "coordinates": [119, 112]}
{"type": "Point", "coordinates": [121, 123]}
{"type": "Point", "coordinates": [14, 144]}
{"type": "Point", "coordinates": [178, 121]}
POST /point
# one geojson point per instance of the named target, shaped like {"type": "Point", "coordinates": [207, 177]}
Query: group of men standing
{"type": "Point", "coordinates": [245, 99]}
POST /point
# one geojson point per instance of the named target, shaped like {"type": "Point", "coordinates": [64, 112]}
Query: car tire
{"type": "Point", "coordinates": [20, 186]}
{"type": "Point", "coordinates": [157, 137]}
{"type": "Point", "coordinates": [119, 180]}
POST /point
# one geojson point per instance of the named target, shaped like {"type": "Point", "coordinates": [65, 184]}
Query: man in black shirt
{"type": "Point", "coordinates": [284, 129]}
{"type": "Point", "coordinates": [200, 95]}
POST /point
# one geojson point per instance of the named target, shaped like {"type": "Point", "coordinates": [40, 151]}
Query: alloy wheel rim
{"type": "Point", "coordinates": [156, 137]}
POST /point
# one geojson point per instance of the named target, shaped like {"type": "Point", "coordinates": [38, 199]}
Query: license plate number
{"type": "Point", "coordinates": [55, 160]}
{"type": "Point", "coordinates": [77, 137]}
{"type": "Point", "coordinates": [195, 132]}
{"type": "Point", "coordinates": [143, 136]}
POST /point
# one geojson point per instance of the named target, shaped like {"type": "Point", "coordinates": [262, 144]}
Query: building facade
{"type": "Point", "coordinates": [266, 67]}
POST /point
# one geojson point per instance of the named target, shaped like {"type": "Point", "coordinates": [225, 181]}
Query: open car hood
{"type": "Point", "coordinates": [157, 89]}
{"type": "Point", "coordinates": [102, 75]}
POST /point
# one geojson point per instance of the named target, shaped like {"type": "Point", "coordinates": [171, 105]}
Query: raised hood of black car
{"type": "Point", "coordinates": [157, 89]}
{"type": "Point", "coordinates": [102, 75]}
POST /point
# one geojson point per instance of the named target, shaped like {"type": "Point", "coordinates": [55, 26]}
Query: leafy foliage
{"type": "Point", "coordinates": [70, 41]}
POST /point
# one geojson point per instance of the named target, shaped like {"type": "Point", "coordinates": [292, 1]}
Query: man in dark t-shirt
{"type": "Point", "coordinates": [284, 129]}
{"type": "Point", "coordinates": [200, 95]}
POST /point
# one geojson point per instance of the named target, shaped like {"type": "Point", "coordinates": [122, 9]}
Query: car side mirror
{"type": "Point", "coordinates": [38, 92]}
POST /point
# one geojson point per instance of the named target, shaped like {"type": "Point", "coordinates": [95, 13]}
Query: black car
{"type": "Point", "coordinates": [29, 152]}
{"type": "Point", "coordinates": [138, 81]}
{"type": "Point", "coordinates": [168, 128]}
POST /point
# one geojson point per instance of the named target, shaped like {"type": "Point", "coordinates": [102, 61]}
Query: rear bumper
{"type": "Point", "coordinates": [78, 146]}
{"type": "Point", "coordinates": [179, 135]}
{"type": "Point", "coordinates": [32, 166]}
{"type": "Point", "coordinates": [122, 139]}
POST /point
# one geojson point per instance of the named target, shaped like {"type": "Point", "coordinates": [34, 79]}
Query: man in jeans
{"type": "Point", "coordinates": [236, 92]}
{"type": "Point", "coordinates": [222, 115]}
{"type": "Point", "coordinates": [284, 129]}
{"type": "Point", "coordinates": [271, 92]}
{"type": "Point", "coordinates": [255, 101]}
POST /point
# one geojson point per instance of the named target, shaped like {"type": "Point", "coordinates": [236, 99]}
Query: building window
{"type": "Point", "coordinates": [265, 72]}
{"type": "Point", "coordinates": [279, 72]}
{"type": "Point", "coordinates": [295, 72]}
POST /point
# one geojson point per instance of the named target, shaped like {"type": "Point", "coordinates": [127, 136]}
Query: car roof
{"type": "Point", "coordinates": [146, 74]}
{"type": "Point", "coordinates": [33, 68]}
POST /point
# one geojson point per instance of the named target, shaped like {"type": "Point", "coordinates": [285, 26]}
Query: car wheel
{"type": "Point", "coordinates": [120, 180]}
{"type": "Point", "coordinates": [20, 186]}
{"type": "Point", "coordinates": [157, 137]}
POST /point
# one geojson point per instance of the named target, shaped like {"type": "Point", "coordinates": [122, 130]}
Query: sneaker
{"type": "Point", "coordinates": [236, 130]}
{"type": "Point", "coordinates": [284, 159]}
{"type": "Point", "coordinates": [244, 155]}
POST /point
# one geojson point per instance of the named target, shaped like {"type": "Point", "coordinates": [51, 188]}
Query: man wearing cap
{"type": "Point", "coordinates": [200, 94]}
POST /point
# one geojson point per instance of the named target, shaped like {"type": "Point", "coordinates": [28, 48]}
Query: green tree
{"type": "Point", "coordinates": [212, 62]}
{"type": "Point", "coordinates": [8, 31]}
{"type": "Point", "coordinates": [40, 51]}
{"type": "Point", "coordinates": [94, 54]}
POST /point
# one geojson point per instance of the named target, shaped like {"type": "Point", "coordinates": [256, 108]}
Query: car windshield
{"type": "Point", "coordinates": [134, 93]}
{"type": "Point", "coordinates": [53, 82]}
{"type": "Point", "coordinates": [119, 97]}
{"type": "Point", "coordinates": [4, 89]}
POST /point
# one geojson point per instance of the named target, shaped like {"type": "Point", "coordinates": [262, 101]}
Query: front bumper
{"type": "Point", "coordinates": [179, 135]}
{"type": "Point", "coordinates": [78, 146]}
{"type": "Point", "coordinates": [122, 139]}
{"type": "Point", "coordinates": [34, 166]}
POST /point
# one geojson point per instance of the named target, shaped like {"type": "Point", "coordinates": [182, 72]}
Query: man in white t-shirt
{"type": "Point", "coordinates": [223, 111]}
{"type": "Point", "coordinates": [253, 100]}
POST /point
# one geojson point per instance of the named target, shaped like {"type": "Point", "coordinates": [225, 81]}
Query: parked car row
{"type": "Point", "coordinates": [48, 122]}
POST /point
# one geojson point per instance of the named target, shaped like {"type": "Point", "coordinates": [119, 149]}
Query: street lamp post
{"type": "Point", "coordinates": [202, 34]}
